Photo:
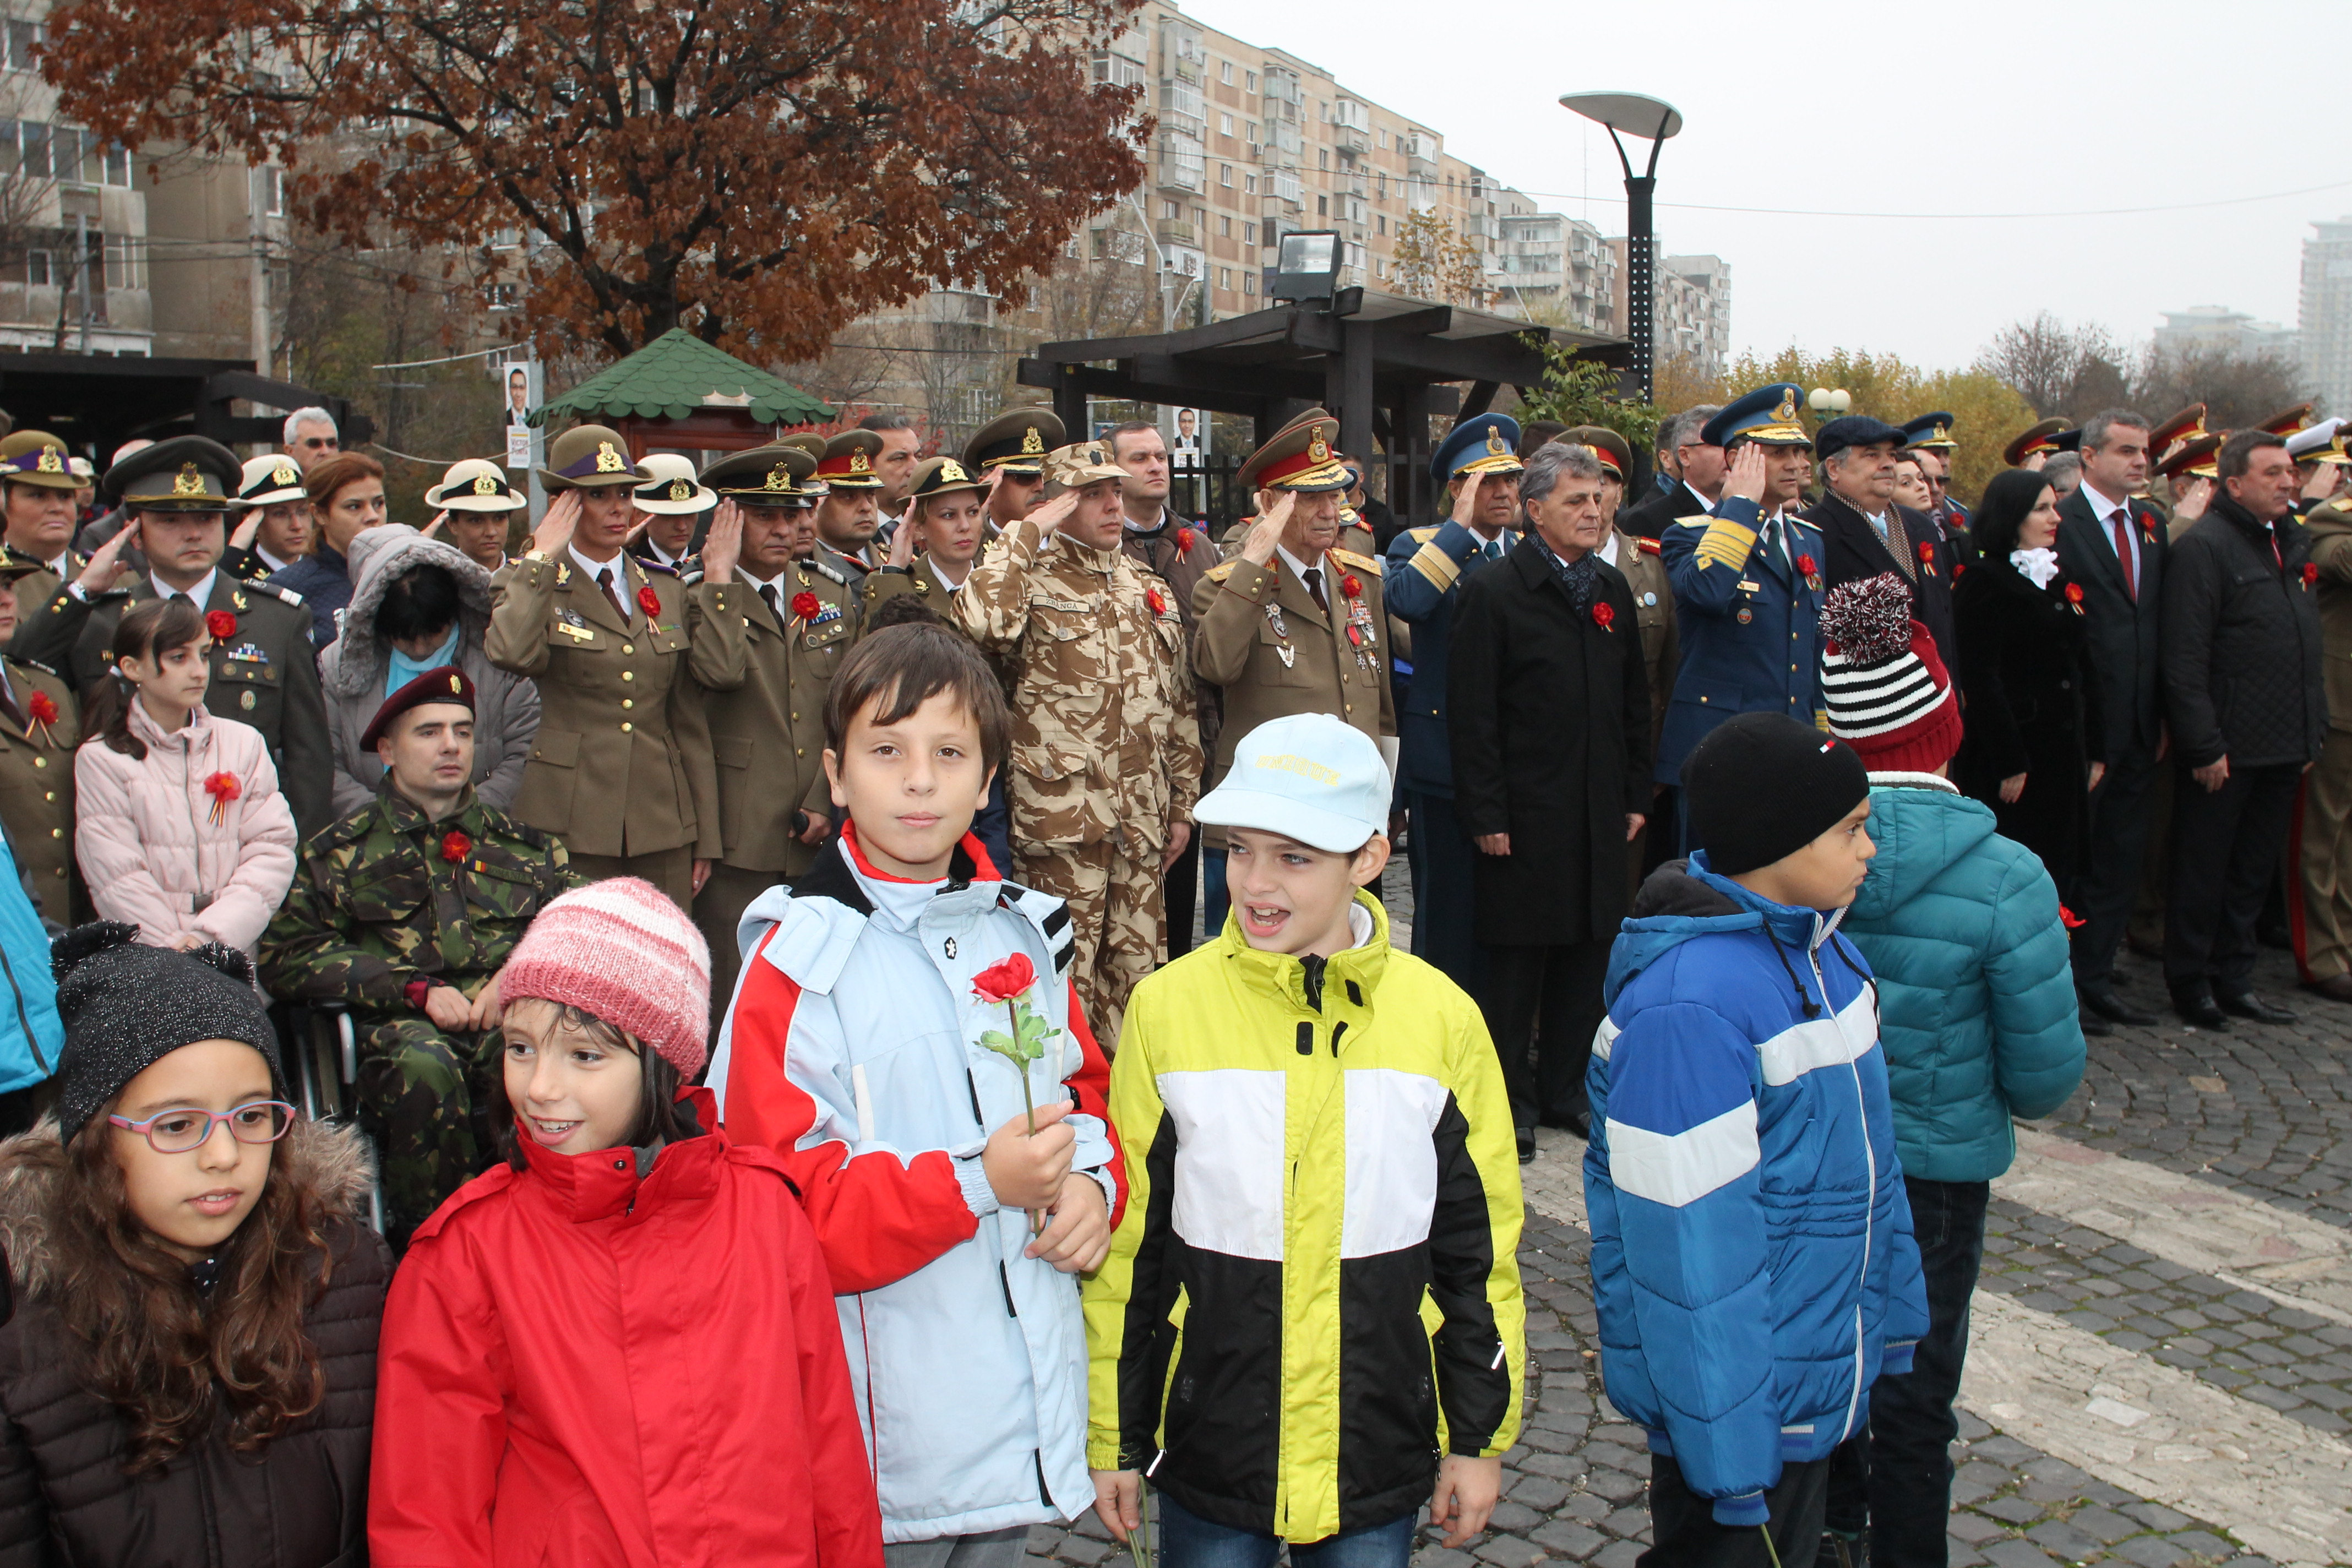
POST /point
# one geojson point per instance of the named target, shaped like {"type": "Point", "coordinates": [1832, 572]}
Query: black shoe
{"type": "Point", "coordinates": [2246, 1005]}
{"type": "Point", "coordinates": [2093, 1025]}
{"type": "Point", "coordinates": [2277, 936]}
{"type": "Point", "coordinates": [1527, 1145]}
{"type": "Point", "coordinates": [2196, 1006]}
{"type": "Point", "coordinates": [2114, 1010]}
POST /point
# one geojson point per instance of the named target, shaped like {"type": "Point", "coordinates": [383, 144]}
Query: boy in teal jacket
{"type": "Point", "coordinates": [1978, 1018]}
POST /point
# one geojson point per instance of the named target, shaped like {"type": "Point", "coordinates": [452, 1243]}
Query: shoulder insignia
{"type": "Point", "coordinates": [1423, 535]}
{"type": "Point", "coordinates": [1647, 546]}
{"type": "Point", "coordinates": [1222, 570]}
{"type": "Point", "coordinates": [648, 564]}
{"type": "Point", "coordinates": [828, 570]}
{"type": "Point", "coordinates": [289, 595]}
{"type": "Point", "coordinates": [1360, 562]}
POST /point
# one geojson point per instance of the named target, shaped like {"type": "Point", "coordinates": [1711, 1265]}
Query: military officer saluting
{"type": "Point", "coordinates": [621, 769]}
{"type": "Point", "coordinates": [1013, 445]}
{"type": "Point", "coordinates": [947, 518]}
{"type": "Point", "coordinates": [404, 912]}
{"type": "Point", "coordinates": [275, 531]}
{"type": "Point", "coordinates": [849, 509]}
{"type": "Point", "coordinates": [768, 663]}
{"type": "Point", "coordinates": [667, 508]}
{"type": "Point", "coordinates": [176, 497]}
{"type": "Point", "coordinates": [37, 485]}
{"type": "Point", "coordinates": [1747, 584]}
{"type": "Point", "coordinates": [39, 726]}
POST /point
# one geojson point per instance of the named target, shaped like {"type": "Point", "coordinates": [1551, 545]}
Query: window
{"type": "Point", "coordinates": [1249, 234]}
{"type": "Point", "coordinates": [1379, 224]}
{"type": "Point", "coordinates": [1322, 157]}
{"type": "Point", "coordinates": [1225, 124]}
{"type": "Point", "coordinates": [21, 38]}
{"type": "Point", "coordinates": [40, 269]}
{"type": "Point", "coordinates": [273, 191]}
{"type": "Point", "coordinates": [1201, 218]}
{"type": "Point", "coordinates": [1249, 184]}
{"type": "Point", "coordinates": [500, 297]}
{"type": "Point", "coordinates": [1249, 80]}
{"type": "Point", "coordinates": [1224, 226]}
{"type": "Point", "coordinates": [125, 262]}
{"type": "Point", "coordinates": [1249, 281]}
{"type": "Point", "coordinates": [1224, 277]}
{"type": "Point", "coordinates": [1225, 72]}
{"type": "Point", "coordinates": [1225, 175]}
{"type": "Point", "coordinates": [1322, 206]}
{"type": "Point", "coordinates": [1173, 210]}
{"type": "Point", "coordinates": [116, 166]}
{"type": "Point", "coordinates": [1381, 135]}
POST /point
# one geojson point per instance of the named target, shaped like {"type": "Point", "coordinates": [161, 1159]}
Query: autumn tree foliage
{"type": "Point", "coordinates": [759, 172]}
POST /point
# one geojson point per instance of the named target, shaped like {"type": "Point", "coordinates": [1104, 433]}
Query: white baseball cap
{"type": "Point", "coordinates": [1310, 776]}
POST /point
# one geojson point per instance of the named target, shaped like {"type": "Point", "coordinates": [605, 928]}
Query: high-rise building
{"type": "Point", "coordinates": [1690, 314]}
{"type": "Point", "coordinates": [2211, 327]}
{"type": "Point", "coordinates": [2326, 316]}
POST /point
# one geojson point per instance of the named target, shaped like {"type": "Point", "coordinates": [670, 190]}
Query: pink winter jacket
{"type": "Point", "coordinates": [152, 853]}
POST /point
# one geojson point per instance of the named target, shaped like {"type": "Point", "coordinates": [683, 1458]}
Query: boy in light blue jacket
{"type": "Point", "coordinates": [1752, 1260]}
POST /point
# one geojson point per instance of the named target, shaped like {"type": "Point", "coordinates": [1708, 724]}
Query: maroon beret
{"type": "Point", "coordinates": [447, 684]}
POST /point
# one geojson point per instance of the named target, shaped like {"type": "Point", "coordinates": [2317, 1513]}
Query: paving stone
{"type": "Point", "coordinates": [2151, 1551]}
{"type": "Point", "coordinates": [1542, 1493]}
{"type": "Point", "coordinates": [2200, 1543]}
{"type": "Point", "coordinates": [1513, 1518]}
{"type": "Point", "coordinates": [1569, 1539]}
{"type": "Point", "coordinates": [2013, 1510]}
{"type": "Point", "coordinates": [1084, 1552]}
{"type": "Point", "coordinates": [2014, 1554]}
{"type": "Point", "coordinates": [1628, 1523]}
{"type": "Point", "coordinates": [1620, 1554]}
{"type": "Point", "coordinates": [1441, 1557]}
{"type": "Point", "coordinates": [1509, 1551]}
{"type": "Point", "coordinates": [1975, 1526]}
{"type": "Point", "coordinates": [2062, 1539]}
{"type": "Point", "coordinates": [2103, 1524]}
{"type": "Point", "coordinates": [1617, 1486]}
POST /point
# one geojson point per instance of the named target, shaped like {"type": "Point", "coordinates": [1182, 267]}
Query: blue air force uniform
{"type": "Point", "coordinates": [1747, 610]}
{"type": "Point", "coordinates": [1426, 567]}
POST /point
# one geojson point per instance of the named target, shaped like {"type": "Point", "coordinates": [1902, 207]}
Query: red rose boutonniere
{"type": "Point", "coordinates": [1352, 586]}
{"type": "Point", "coordinates": [223, 788]}
{"type": "Point", "coordinates": [648, 601]}
{"type": "Point", "coordinates": [456, 847]}
{"type": "Point", "coordinates": [2310, 574]}
{"type": "Point", "coordinates": [1805, 564]}
{"type": "Point", "coordinates": [41, 712]}
{"type": "Point", "coordinates": [806, 606]}
{"type": "Point", "coordinates": [1159, 606]}
{"type": "Point", "coordinates": [221, 624]}
{"type": "Point", "coordinates": [2074, 596]}
{"type": "Point", "coordinates": [1183, 542]}
{"type": "Point", "coordinates": [1603, 615]}
{"type": "Point", "coordinates": [1927, 554]}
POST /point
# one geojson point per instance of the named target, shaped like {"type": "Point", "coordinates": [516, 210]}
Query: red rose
{"type": "Point", "coordinates": [221, 624]}
{"type": "Point", "coordinates": [1184, 542]}
{"type": "Point", "coordinates": [223, 787]}
{"type": "Point", "coordinates": [807, 605]}
{"type": "Point", "coordinates": [456, 847]}
{"type": "Point", "coordinates": [2070, 919]}
{"type": "Point", "coordinates": [1352, 586]}
{"type": "Point", "coordinates": [2073, 593]}
{"type": "Point", "coordinates": [648, 601]}
{"type": "Point", "coordinates": [1603, 614]}
{"type": "Point", "coordinates": [42, 709]}
{"type": "Point", "coordinates": [2310, 574]}
{"type": "Point", "coordinates": [1151, 597]}
{"type": "Point", "coordinates": [1805, 564]}
{"type": "Point", "coordinates": [1004, 981]}
{"type": "Point", "coordinates": [1928, 551]}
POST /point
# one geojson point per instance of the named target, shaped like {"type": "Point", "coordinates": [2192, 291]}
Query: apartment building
{"type": "Point", "coordinates": [2326, 316]}
{"type": "Point", "coordinates": [2211, 327]}
{"type": "Point", "coordinates": [1690, 313]}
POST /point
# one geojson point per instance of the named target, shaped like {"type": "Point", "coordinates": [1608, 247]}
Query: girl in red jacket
{"type": "Point", "coordinates": [620, 1347]}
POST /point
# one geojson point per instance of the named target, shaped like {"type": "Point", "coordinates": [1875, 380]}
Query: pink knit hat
{"type": "Point", "coordinates": [621, 950]}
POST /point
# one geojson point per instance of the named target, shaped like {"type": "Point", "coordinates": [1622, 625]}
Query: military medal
{"type": "Point", "coordinates": [1282, 633]}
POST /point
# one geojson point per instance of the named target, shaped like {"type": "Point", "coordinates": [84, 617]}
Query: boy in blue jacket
{"type": "Point", "coordinates": [1752, 1260]}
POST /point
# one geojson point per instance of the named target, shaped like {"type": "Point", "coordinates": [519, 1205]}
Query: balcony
{"type": "Point", "coordinates": [1175, 231]}
{"type": "Point", "coordinates": [1420, 155]}
{"type": "Point", "coordinates": [1181, 107]}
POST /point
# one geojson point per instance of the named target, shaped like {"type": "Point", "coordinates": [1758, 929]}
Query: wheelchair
{"type": "Point", "coordinates": [321, 1051]}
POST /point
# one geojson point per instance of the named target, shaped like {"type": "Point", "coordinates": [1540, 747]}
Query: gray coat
{"type": "Point", "coordinates": [352, 669]}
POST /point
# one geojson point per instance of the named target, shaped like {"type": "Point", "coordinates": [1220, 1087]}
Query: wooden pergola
{"type": "Point", "coordinates": [1383, 363]}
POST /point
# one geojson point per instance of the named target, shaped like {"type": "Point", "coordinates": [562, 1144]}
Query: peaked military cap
{"type": "Point", "coordinates": [1016, 441]}
{"type": "Point", "coordinates": [273, 480]}
{"type": "Point", "coordinates": [2183, 427]}
{"type": "Point", "coordinates": [1767, 416]}
{"type": "Point", "coordinates": [765, 476]}
{"type": "Point", "coordinates": [186, 473]}
{"type": "Point", "coordinates": [1932, 431]}
{"type": "Point", "coordinates": [447, 684]}
{"type": "Point", "coordinates": [2199, 457]}
{"type": "Point", "coordinates": [590, 457]}
{"type": "Point", "coordinates": [474, 484]}
{"type": "Point", "coordinates": [1615, 453]}
{"type": "Point", "coordinates": [943, 475]}
{"type": "Point", "coordinates": [1303, 455]}
{"type": "Point", "coordinates": [848, 461]}
{"type": "Point", "coordinates": [2286, 422]}
{"type": "Point", "coordinates": [2320, 443]}
{"type": "Point", "coordinates": [38, 457]}
{"type": "Point", "coordinates": [2037, 439]}
{"type": "Point", "coordinates": [1483, 444]}
{"type": "Point", "coordinates": [672, 491]}
{"type": "Point", "coordinates": [2067, 440]}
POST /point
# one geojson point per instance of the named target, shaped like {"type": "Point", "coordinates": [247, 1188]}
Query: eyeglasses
{"type": "Point", "coordinates": [180, 1132]}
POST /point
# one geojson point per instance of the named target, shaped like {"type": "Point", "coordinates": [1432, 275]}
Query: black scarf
{"type": "Point", "coordinates": [1580, 577]}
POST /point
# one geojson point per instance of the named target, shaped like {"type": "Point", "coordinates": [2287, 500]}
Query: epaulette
{"type": "Point", "coordinates": [1423, 535]}
{"type": "Point", "coordinates": [1372, 563]}
{"type": "Point", "coordinates": [1701, 521]}
{"type": "Point", "coordinates": [289, 595]}
{"type": "Point", "coordinates": [646, 563]}
{"type": "Point", "coordinates": [826, 570]}
{"type": "Point", "coordinates": [1222, 570]}
{"type": "Point", "coordinates": [1647, 546]}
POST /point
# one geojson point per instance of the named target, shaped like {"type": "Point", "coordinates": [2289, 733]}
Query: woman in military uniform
{"type": "Point", "coordinates": [947, 514]}
{"type": "Point", "coordinates": [621, 769]}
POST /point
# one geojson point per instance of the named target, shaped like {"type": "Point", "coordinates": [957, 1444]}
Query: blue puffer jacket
{"type": "Point", "coordinates": [1977, 1002]}
{"type": "Point", "coordinates": [1752, 1258]}
{"type": "Point", "coordinates": [31, 1034]}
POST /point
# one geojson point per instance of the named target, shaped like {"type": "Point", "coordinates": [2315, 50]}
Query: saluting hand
{"type": "Point", "coordinates": [2191, 504]}
{"type": "Point", "coordinates": [554, 534]}
{"type": "Point", "coordinates": [106, 562]}
{"type": "Point", "coordinates": [722, 547]}
{"type": "Point", "coordinates": [1273, 509]}
{"type": "Point", "coordinates": [247, 531]}
{"type": "Point", "coordinates": [433, 530]}
{"type": "Point", "coordinates": [1049, 517]}
{"type": "Point", "coordinates": [902, 541]}
{"type": "Point", "coordinates": [1746, 477]}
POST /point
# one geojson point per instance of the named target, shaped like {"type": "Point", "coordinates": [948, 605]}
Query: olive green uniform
{"type": "Point", "coordinates": [36, 788]}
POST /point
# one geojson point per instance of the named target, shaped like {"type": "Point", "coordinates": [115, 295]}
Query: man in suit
{"type": "Point", "coordinates": [1479, 466]}
{"type": "Point", "coordinates": [2115, 549]}
{"type": "Point", "coordinates": [1699, 468]}
{"type": "Point", "coordinates": [1868, 535]}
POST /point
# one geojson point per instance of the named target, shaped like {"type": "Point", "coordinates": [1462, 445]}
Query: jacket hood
{"type": "Point", "coordinates": [1683, 899]}
{"type": "Point", "coordinates": [1921, 824]}
{"type": "Point", "coordinates": [331, 1163]}
{"type": "Point", "coordinates": [378, 558]}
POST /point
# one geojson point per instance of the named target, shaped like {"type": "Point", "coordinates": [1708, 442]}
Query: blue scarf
{"type": "Point", "coordinates": [401, 670]}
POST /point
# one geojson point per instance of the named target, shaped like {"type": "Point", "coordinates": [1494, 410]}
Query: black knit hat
{"type": "Point", "coordinates": [126, 1006]}
{"type": "Point", "coordinates": [1762, 786]}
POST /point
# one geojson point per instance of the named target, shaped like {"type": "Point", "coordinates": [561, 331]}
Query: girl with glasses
{"type": "Point", "coordinates": [188, 1373]}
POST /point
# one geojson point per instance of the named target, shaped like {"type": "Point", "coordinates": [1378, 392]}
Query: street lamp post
{"type": "Point", "coordinates": [1637, 114]}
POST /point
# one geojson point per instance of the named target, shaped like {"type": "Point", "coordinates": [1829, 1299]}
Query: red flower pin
{"type": "Point", "coordinates": [1352, 586]}
{"type": "Point", "coordinates": [220, 623]}
{"type": "Point", "coordinates": [1805, 564]}
{"type": "Point", "coordinates": [2310, 574]}
{"type": "Point", "coordinates": [1927, 552]}
{"type": "Point", "coordinates": [648, 601]}
{"type": "Point", "coordinates": [2073, 593]}
{"type": "Point", "coordinates": [1002, 981]}
{"type": "Point", "coordinates": [223, 788]}
{"type": "Point", "coordinates": [1151, 597]}
{"type": "Point", "coordinates": [43, 710]}
{"type": "Point", "coordinates": [456, 847]}
{"type": "Point", "coordinates": [1184, 542]}
{"type": "Point", "coordinates": [807, 605]}
{"type": "Point", "coordinates": [1603, 614]}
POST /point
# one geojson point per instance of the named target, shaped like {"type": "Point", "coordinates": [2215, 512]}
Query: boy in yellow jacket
{"type": "Point", "coordinates": [1310, 1321]}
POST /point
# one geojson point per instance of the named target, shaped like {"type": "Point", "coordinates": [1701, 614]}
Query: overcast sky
{"type": "Point", "coordinates": [1966, 107]}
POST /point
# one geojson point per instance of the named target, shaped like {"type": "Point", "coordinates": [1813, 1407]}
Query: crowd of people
{"type": "Point", "coordinates": [764, 892]}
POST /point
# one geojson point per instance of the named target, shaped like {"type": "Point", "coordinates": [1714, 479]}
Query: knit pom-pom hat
{"type": "Point", "coordinates": [1888, 694]}
{"type": "Point", "coordinates": [127, 1006]}
{"type": "Point", "coordinates": [621, 950]}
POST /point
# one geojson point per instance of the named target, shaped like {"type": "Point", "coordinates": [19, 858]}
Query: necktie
{"type": "Point", "coordinates": [1314, 578]}
{"type": "Point", "coordinates": [768, 597]}
{"type": "Point", "coordinates": [1494, 551]}
{"type": "Point", "coordinates": [604, 581]}
{"type": "Point", "coordinates": [2120, 520]}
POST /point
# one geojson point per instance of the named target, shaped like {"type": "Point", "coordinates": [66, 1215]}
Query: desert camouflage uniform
{"type": "Point", "coordinates": [1106, 747]}
{"type": "Point", "coordinates": [385, 896]}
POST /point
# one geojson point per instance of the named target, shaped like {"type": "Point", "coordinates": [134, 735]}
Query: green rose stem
{"type": "Point", "coordinates": [1140, 1541]}
{"type": "Point", "coordinates": [1028, 1106]}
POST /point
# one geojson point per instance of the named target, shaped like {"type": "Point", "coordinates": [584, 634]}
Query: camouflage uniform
{"type": "Point", "coordinates": [1105, 749]}
{"type": "Point", "coordinates": [380, 902]}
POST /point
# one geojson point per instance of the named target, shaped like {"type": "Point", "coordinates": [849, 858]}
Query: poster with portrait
{"type": "Point", "coordinates": [1187, 440]}
{"type": "Point", "coordinates": [521, 389]}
